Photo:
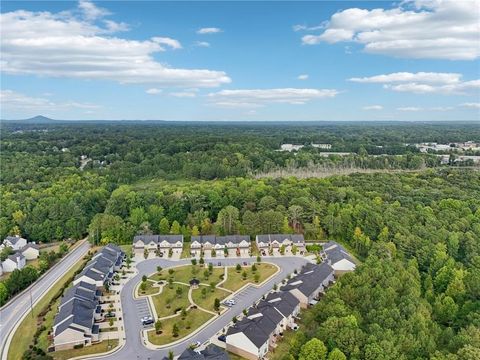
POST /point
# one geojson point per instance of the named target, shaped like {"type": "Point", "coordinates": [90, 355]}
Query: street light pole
{"type": "Point", "coordinates": [31, 302]}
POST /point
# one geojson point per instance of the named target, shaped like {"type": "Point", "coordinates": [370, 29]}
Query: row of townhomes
{"type": "Point", "coordinates": [265, 322]}
{"type": "Point", "coordinates": [22, 251]}
{"type": "Point", "coordinates": [233, 245]}
{"type": "Point", "coordinates": [271, 243]}
{"type": "Point", "coordinates": [80, 308]}
{"type": "Point", "coordinates": [161, 243]}
{"type": "Point", "coordinates": [212, 245]}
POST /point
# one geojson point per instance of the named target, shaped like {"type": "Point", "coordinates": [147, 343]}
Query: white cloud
{"type": "Point", "coordinates": [63, 45]}
{"type": "Point", "coordinates": [202, 44]}
{"type": "Point", "coordinates": [153, 91]}
{"type": "Point", "coordinates": [91, 11]}
{"type": "Point", "coordinates": [308, 28]}
{"type": "Point", "coordinates": [409, 108]}
{"type": "Point", "coordinates": [174, 44]}
{"type": "Point", "coordinates": [436, 29]}
{"type": "Point", "coordinates": [471, 105]}
{"type": "Point", "coordinates": [184, 94]}
{"type": "Point", "coordinates": [422, 82]}
{"type": "Point", "coordinates": [209, 30]}
{"type": "Point", "coordinates": [302, 77]}
{"type": "Point", "coordinates": [260, 97]}
{"type": "Point", "coordinates": [424, 77]}
{"type": "Point", "coordinates": [373, 107]}
{"type": "Point", "coordinates": [12, 100]}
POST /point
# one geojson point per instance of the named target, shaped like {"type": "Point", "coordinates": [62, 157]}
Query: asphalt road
{"type": "Point", "coordinates": [12, 313]}
{"type": "Point", "coordinates": [134, 348]}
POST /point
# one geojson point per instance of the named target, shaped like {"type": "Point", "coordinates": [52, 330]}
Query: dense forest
{"type": "Point", "coordinates": [416, 293]}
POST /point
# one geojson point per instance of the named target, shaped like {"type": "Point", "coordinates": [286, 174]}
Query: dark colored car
{"type": "Point", "coordinates": [222, 338]}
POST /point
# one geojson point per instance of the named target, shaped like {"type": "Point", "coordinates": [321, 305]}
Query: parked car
{"type": "Point", "coordinates": [245, 263]}
{"type": "Point", "coordinates": [219, 263]}
{"type": "Point", "coordinates": [222, 338]}
{"type": "Point", "coordinates": [147, 320]}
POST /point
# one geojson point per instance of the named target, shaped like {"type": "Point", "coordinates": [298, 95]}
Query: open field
{"type": "Point", "coordinates": [208, 302]}
{"type": "Point", "coordinates": [185, 273]}
{"type": "Point", "coordinates": [235, 280]}
{"type": "Point", "coordinates": [195, 318]}
{"type": "Point", "coordinates": [168, 301]}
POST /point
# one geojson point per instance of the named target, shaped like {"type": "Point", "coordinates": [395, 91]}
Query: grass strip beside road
{"type": "Point", "coordinates": [102, 347]}
{"type": "Point", "coordinates": [235, 279]}
{"type": "Point", "coordinates": [23, 336]}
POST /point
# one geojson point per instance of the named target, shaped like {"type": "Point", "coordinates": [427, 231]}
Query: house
{"type": "Point", "coordinates": [275, 242]}
{"type": "Point", "coordinates": [13, 262]}
{"type": "Point", "coordinates": [235, 245]}
{"type": "Point", "coordinates": [74, 324]}
{"type": "Point", "coordinates": [30, 251]}
{"type": "Point", "coordinates": [100, 269]}
{"type": "Point", "coordinates": [286, 304]}
{"type": "Point", "coordinates": [162, 243]}
{"type": "Point", "coordinates": [211, 352]}
{"type": "Point", "coordinates": [310, 283]}
{"type": "Point", "coordinates": [336, 255]}
{"type": "Point", "coordinates": [15, 242]}
{"type": "Point", "coordinates": [252, 336]}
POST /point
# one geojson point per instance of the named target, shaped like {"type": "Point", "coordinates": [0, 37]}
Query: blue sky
{"type": "Point", "coordinates": [273, 61]}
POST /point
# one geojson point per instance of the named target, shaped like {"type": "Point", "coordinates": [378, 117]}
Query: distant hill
{"type": "Point", "coordinates": [39, 119]}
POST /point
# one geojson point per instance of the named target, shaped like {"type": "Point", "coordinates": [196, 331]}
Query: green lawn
{"type": "Point", "coordinates": [23, 337]}
{"type": "Point", "coordinates": [160, 301]}
{"type": "Point", "coordinates": [102, 347]}
{"type": "Point", "coordinates": [43, 341]}
{"type": "Point", "coordinates": [149, 290]}
{"type": "Point", "coordinates": [233, 356]}
{"type": "Point", "coordinates": [208, 302]}
{"type": "Point", "coordinates": [194, 319]}
{"type": "Point", "coordinates": [235, 280]}
{"type": "Point", "coordinates": [186, 273]}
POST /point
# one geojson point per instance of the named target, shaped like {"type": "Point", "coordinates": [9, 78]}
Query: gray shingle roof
{"type": "Point", "coordinates": [30, 245]}
{"type": "Point", "coordinates": [221, 240]}
{"type": "Point", "coordinates": [283, 301]}
{"type": "Point", "coordinates": [13, 239]}
{"type": "Point", "coordinates": [15, 257]}
{"type": "Point", "coordinates": [336, 252]}
{"type": "Point", "coordinates": [295, 238]}
{"type": "Point", "coordinates": [309, 279]}
{"type": "Point", "coordinates": [75, 312]}
{"type": "Point", "coordinates": [158, 238]}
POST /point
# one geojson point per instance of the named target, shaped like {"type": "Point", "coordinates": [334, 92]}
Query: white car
{"type": "Point", "coordinates": [195, 344]}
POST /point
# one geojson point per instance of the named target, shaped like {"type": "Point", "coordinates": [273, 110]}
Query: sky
{"type": "Point", "coordinates": [241, 61]}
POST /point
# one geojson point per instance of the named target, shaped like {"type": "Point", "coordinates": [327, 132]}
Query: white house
{"type": "Point", "coordinates": [162, 243]}
{"type": "Point", "coordinates": [267, 242]}
{"type": "Point", "coordinates": [310, 283]}
{"type": "Point", "coordinates": [14, 261]}
{"type": "Point", "coordinates": [336, 255]}
{"type": "Point", "coordinates": [15, 242]}
{"type": "Point", "coordinates": [30, 251]}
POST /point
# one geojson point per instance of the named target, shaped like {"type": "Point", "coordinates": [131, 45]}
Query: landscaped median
{"type": "Point", "coordinates": [186, 298]}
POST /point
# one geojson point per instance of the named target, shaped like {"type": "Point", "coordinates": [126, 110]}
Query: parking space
{"type": "Point", "coordinates": [143, 309]}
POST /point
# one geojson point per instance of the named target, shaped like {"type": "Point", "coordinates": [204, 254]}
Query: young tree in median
{"type": "Point", "coordinates": [204, 292]}
{"type": "Point", "coordinates": [216, 304]}
{"type": "Point", "coordinates": [170, 355]}
{"type": "Point", "coordinates": [313, 350]}
{"type": "Point", "coordinates": [183, 314]}
{"type": "Point", "coordinates": [210, 268]}
{"type": "Point", "coordinates": [175, 330]}
{"type": "Point", "coordinates": [144, 278]}
{"type": "Point", "coordinates": [238, 268]}
{"type": "Point", "coordinates": [110, 322]}
{"type": "Point", "coordinates": [179, 292]}
{"type": "Point", "coordinates": [158, 327]}
{"type": "Point", "coordinates": [254, 268]}
{"type": "Point", "coordinates": [257, 277]}
{"type": "Point", "coordinates": [244, 275]}
{"type": "Point", "coordinates": [259, 259]}
{"type": "Point", "coordinates": [194, 261]}
{"type": "Point", "coordinates": [202, 261]}
{"type": "Point", "coordinates": [206, 274]}
{"type": "Point", "coordinates": [212, 286]}
{"type": "Point", "coordinates": [159, 269]}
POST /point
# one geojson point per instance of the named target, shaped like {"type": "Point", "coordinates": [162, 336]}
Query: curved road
{"type": "Point", "coordinates": [134, 348]}
{"type": "Point", "coordinates": [14, 311]}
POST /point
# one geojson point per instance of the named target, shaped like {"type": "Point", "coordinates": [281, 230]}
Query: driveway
{"type": "Point", "coordinates": [134, 348]}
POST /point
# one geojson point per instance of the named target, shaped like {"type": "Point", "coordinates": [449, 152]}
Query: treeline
{"type": "Point", "coordinates": [417, 294]}
{"type": "Point", "coordinates": [21, 279]}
